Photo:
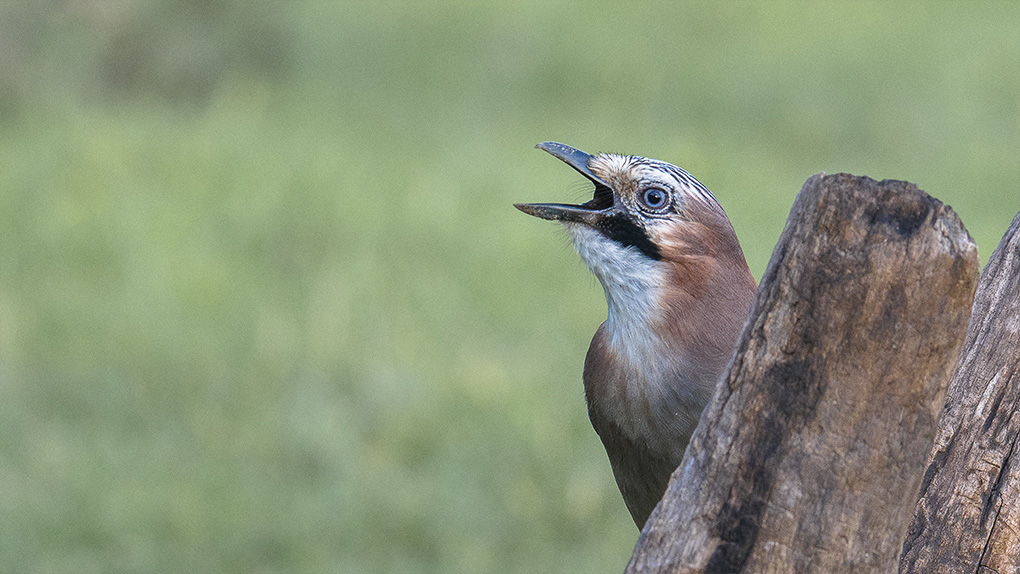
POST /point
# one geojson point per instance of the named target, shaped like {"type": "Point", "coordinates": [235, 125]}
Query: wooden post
{"type": "Point", "coordinates": [810, 454]}
{"type": "Point", "coordinates": [968, 515]}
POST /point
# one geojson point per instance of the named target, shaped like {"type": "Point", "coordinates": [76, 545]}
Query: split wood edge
{"type": "Point", "coordinates": [967, 517]}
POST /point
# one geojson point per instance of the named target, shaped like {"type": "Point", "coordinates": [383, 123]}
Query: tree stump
{"type": "Point", "coordinates": [968, 515]}
{"type": "Point", "coordinates": [811, 452]}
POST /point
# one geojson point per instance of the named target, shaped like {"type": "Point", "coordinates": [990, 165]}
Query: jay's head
{"type": "Point", "coordinates": [648, 222]}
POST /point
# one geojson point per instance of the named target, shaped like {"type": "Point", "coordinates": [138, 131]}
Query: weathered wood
{"type": "Point", "coordinates": [968, 514]}
{"type": "Point", "coordinates": [809, 456]}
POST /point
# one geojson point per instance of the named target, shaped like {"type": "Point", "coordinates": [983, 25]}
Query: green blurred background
{"type": "Point", "coordinates": [265, 305]}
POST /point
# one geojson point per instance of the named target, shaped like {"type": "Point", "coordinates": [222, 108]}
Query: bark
{"type": "Point", "coordinates": [810, 454]}
{"type": "Point", "coordinates": [968, 515]}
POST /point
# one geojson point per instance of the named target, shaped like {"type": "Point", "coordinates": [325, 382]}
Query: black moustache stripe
{"type": "Point", "coordinates": [628, 234]}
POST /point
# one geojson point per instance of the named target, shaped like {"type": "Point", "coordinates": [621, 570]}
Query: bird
{"type": "Point", "coordinates": [678, 291]}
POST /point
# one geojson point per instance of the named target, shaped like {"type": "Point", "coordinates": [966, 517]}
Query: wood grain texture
{"type": "Point", "coordinates": [968, 515]}
{"type": "Point", "coordinates": [810, 454]}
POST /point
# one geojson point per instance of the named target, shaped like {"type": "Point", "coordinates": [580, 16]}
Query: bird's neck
{"type": "Point", "coordinates": [669, 333]}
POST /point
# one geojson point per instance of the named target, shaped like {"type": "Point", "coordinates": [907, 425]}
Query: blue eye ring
{"type": "Point", "coordinates": [655, 199]}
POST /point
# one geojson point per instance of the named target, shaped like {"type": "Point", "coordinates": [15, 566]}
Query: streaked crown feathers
{"type": "Point", "coordinates": [629, 175]}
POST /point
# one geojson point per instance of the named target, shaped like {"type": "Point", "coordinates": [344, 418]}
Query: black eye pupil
{"type": "Point", "coordinates": [655, 197]}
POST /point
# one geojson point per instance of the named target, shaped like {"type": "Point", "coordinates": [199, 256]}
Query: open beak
{"type": "Point", "coordinates": [589, 212]}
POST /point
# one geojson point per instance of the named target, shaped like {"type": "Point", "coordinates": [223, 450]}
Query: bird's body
{"type": "Point", "coordinates": [678, 291]}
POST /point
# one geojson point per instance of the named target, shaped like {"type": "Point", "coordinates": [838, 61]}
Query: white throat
{"type": "Point", "coordinates": [633, 285]}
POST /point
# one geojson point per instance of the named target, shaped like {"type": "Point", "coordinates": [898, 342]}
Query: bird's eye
{"type": "Point", "coordinates": [655, 198]}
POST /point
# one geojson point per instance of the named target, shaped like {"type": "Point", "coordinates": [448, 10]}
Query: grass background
{"type": "Point", "coordinates": [265, 305]}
